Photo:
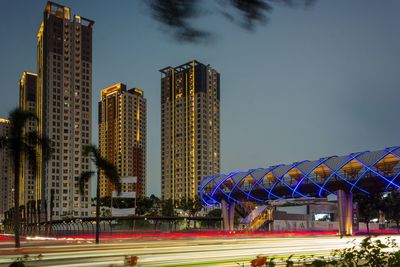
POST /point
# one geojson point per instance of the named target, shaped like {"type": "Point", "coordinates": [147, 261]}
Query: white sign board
{"type": "Point", "coordinates": [123, 194]}
{"type": "Point", "coordinates": [122, 212]}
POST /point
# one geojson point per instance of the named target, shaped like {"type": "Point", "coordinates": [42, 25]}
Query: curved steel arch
{"type": "Point", "coordinates": [366, 177]}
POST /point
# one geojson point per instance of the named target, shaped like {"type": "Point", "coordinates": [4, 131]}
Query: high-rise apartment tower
{"type": "Point", "coordinates": [27, 102]}
{"type": "Point", "coordinates": [122, 135]}
{"type": "Point", "coordinates": [6, 172]}
{"type": "Point", "coordinates": [190, 128]}
{"type": "Point", "coordinates": [64, 90]}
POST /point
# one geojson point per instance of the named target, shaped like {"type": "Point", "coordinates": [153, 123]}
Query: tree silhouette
{"type": "Point", "coordinates": [391, 207]}
{"type": "Point", "coordinates": [167, 208]}
{"type": "Point", "coordinates": [192, 206]}
{"type": "Point", "coordinates": [178, 15]}
{"type": "Point", "coordinates": [368, 207]}
{"type": "Point", "coordinates": [22, 144]}
{"type": "Point", "coordinates": [147, 205]}
{"type": "Point", "coordinates": [109, 171]}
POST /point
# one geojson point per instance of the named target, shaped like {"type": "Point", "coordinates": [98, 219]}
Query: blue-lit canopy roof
{"type": "Point", "coordinates": [367, 172]}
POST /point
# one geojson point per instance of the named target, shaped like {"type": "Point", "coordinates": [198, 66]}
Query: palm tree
{"type": "Point", "coordinates": [109, 171]}
{"type": "Point", "coordinates": [22, 144]}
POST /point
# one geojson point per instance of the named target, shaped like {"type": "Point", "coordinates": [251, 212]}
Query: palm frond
{"type": "Point", "coordinates": [93, 152]}
{"type": "Point", "coordinates": [83, 179]}
{"type": "Point", "coordinates": [44, 142]}
{"type": "Point", "coordinates": [31, 154]}
{"type": "Point", "coordinates": [19, 118]}
{"type": "Point", "coordinates": [111, 173]}
{"type": "Point", "coordinates": [104, 166]}
{"type": "Point", "coordinates": [21, 115]}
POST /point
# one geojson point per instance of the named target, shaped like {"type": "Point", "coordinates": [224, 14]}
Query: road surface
{"type": "Point", "coordinates": [193, 252]}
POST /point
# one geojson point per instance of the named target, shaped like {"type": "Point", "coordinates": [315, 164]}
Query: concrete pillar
{"type": "Point", "coordinates": [270, 218]}
{"type": "Point", "coordinates": [225, 215]}
{"type": "Point", "coordinates": [349, 214]}
{"type": "Point", "coordinates": [232, 217]}
{"type": "Point", "coordinates": [228, 215]}
{"type": "Point", "coordinates": [345, 211]}
{"type": "Point", "coordinates": [381, 220]}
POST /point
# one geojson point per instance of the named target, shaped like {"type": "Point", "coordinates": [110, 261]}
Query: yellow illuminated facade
{"type": "Point", "coordinates": [27, 102]}
{"type": "Point", "coordinates": [190, 128]}
{"type": "Point", "coordinates": [122, 135]}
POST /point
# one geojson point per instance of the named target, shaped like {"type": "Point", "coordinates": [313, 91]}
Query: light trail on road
{"type": "Point", "coordinates": [180, 252]}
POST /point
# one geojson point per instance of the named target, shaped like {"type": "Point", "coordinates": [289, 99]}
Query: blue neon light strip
{"type": "Point", "coordinates": [220, 191]}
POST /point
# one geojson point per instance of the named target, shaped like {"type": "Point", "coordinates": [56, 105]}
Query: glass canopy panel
{"type": "Point", "coordinates": [259, 173]}
{"type": "Point", "coordinates": [210, 187]}
{"type": "Point", "coordinates": [352, 168]}
{"type": "Point", "coordinates": [322, 171]}
{"type": "Point", "coordinates": [247, 183]}
{"type": "Point", "coordinates": [387, 164]}
{"type": "Point", "coordinates": [268, 180]}
{"type": "Point", "coordinates": [227, 185]}
{"type": "Point", "coordinates": [295, 174]}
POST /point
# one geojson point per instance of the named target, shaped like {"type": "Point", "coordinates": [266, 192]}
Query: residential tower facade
{"type": "Point", "coordinates": [6, 172]}
{"type": "Point", "coordinates": [64, 90]}
{"type": "Point", "coordinates": [27, 102]}
{"type": "Point", "coordinates": [122, 135]}
{"type": "Point", "coordinates": [190, 128]}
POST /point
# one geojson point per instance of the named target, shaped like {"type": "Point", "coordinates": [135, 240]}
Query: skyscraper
{"type": "Point", "coordinates": [6, 172]}
{"type": "Point", "coordinates": [122, 134]}
{"type": "Point", "coordinates": [64, 107]}
{"type": "Point", "coordinates": [27, 102]}
{"type": "Point", "coordinates": [190, 128]}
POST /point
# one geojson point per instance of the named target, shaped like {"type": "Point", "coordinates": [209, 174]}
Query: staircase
{"type": "Point", "coordinates": [263, 217]}
{"type": "Point", "coordinates": [244, 209]}
{"type": "Point", "coordinates": [241, 210]}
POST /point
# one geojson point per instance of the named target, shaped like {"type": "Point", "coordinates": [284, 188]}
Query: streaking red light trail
{"type": "Point", "coordinates": [176, 249]}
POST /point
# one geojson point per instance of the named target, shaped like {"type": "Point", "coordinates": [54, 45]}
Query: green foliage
{"type": "Point", "coordinates": [394, 259]}
{"type": "Point", "coordinates": [319, 263]}
{"type": "Point", "coordinates": [102, 165]}
{"type": "Point", "coordinates": [368, 206]}
{"type": "Point", "coordinates": [391, 207]}
{"type": "Point", "coordinates": [368, 253]}
{"type": "Point", "coordinates": [17, 264]}
{"type": "Point", "coordinates": [289, 262]}
{"type": "Point", "coordinates": [123, 203]}
{"type": "Point", "coordinates": [105, 167]}
{"type": "Point", "coordinates": [167, 208]}
{"type": "Point", "coordinates": [192, 206]}
{"type": "Point", "coordinates": [271, 262]}
{"type": "Point", "coordinates": [105, 212]}
{"type": "Point", "coordinates": [23, 144]}
{"type": "Point", "coordinates": [215, 213]}
{"type": "Point", "coordinates": [105, 201]}
{"type": "Point", "coordinates": [148, 205]}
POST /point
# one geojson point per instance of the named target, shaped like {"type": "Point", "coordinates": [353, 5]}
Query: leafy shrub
{"type": "Point", "coordinates": [17, 264]}
{"type": "Point", "coordinates": [369, 253]}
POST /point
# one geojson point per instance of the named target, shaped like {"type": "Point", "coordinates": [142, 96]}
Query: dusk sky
{"type": "Point", "coordinates": [311, 83]}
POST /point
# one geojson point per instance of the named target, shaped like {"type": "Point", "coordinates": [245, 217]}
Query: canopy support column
{"type": "Point", "coordinates": [345, 210]}
{"type": "Point", "coordinates": [228, 215]}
